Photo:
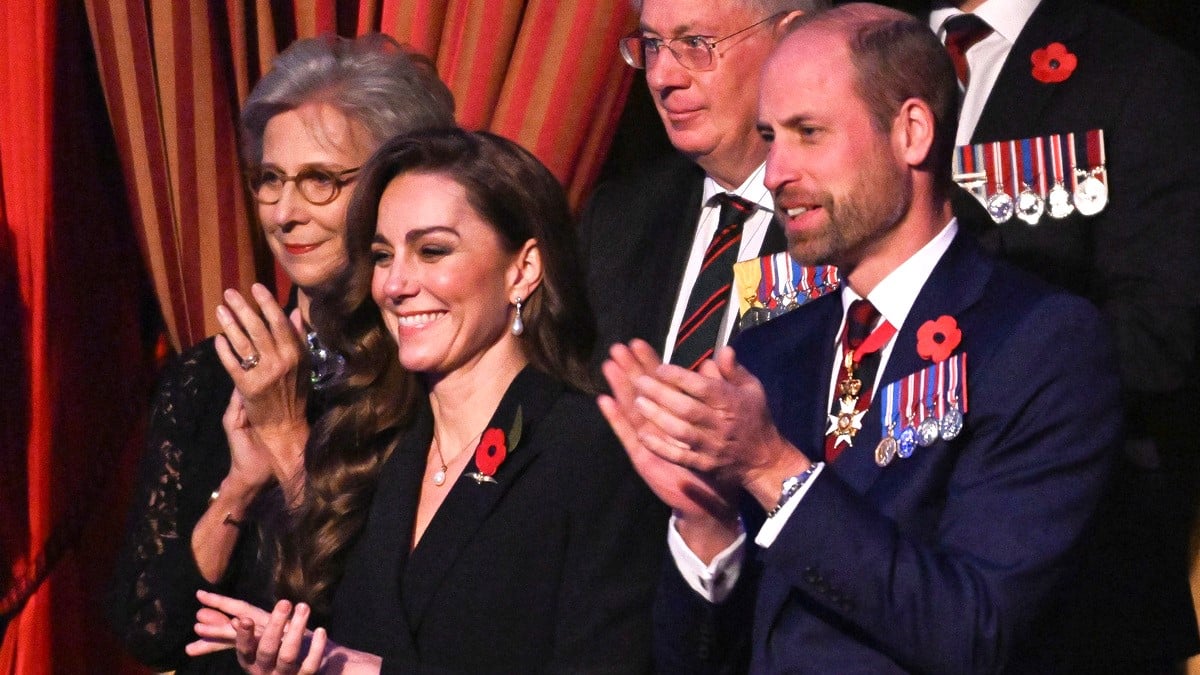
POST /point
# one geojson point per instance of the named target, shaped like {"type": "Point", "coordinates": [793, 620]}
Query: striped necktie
{"type": "Point", "coordinates": [697, 337]}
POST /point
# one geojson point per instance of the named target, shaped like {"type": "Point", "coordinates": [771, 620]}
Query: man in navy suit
{"type": "Point", "coordinates": [1138, 259]}
{"type": "Point", "coordinates": [878, 554]}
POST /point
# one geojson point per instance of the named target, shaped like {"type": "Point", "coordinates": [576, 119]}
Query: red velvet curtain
{"type": "Point", "coordinates": [119, 175]}
{"type": "Point", "coordinates": [74, 370]}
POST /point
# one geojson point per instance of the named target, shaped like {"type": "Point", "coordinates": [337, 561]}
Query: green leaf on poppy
{"type": "Point", "coordinates": [514, 434]}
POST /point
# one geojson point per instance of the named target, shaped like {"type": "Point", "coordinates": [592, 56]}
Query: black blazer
{"type": "Point", "coordinates": [1138, 260]}
{"type": "Point", "coordinates": [550, 569]}
{"type": "Point", "coordinates": [635, 234]}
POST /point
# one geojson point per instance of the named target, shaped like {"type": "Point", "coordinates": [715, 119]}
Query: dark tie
{"type": "Point", "coordinates": [962, 32]}
{"type": "Point", "coordinates": [697, 336]}
{"type": "Point", "coordinates": [860, 319]}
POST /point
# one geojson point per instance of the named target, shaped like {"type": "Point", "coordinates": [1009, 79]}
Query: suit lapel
{"type": "Point", "coordinates": [379, 557]}
{"type": "Point", "coordinates": [469, 503]}
{"type": "Point", "coordinates": [956, 283]}
{"type": "Point", "coordinates": [1017, 100]}
{"type": "Point", "coordinates": [685, 215]}
{"type": "Point", "coordinates": [660, 256]}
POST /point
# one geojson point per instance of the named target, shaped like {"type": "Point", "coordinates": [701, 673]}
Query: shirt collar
{"type": "Point", "coordinates": [1006, 17]}
{"type": "Point", "coordinates": [752, 189]}
{"type": "Point", "coordinates": [895, 295]}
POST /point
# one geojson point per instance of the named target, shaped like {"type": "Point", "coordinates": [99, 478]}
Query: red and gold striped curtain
{"type": "Point", "coordinates": [544, 73]}
{"type": "Point", "coordinates": [90, 233]}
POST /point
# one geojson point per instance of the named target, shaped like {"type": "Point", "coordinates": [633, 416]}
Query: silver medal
{"type": "Point", "coordinates": [952, 423]}
{"type": "Point", "coordinates": [1059, 201]}
{"type": "Point", "coordinates": [1091, 196]}
{"type": "Point", "coordinates": [928, 431]}
{"type": "Point", "coordinates": [1030, 206]}
{"type": "Point", "coordinates": [1000, 207]}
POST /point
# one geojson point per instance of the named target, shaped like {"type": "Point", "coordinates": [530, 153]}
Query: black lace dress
{"type": "Point", "coordinates": [152, 603]}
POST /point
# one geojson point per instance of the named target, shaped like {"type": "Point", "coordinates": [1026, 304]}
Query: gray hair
{"type": "Point", "coordinates": [371, 80]}
{"type": "Point", "coordinates": [769, 7]}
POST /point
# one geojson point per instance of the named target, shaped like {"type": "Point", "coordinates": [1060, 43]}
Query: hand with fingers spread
{"type": "Point", "coordinates": [275, 642]}
{"type": "Point", "coordinates": [215, 622]}
{"type": "Point", "coordinates": [700, 503]}
{"type": "Point", "coordinates": [265, 356]}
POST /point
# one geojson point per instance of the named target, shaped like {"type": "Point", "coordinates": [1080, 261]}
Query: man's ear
{"type": "Point", "coordinates": [913, 132]}
{"type": "Point", "coordinates": [783, 25]}
{"type": "Point", "coordinates": [525, 275]}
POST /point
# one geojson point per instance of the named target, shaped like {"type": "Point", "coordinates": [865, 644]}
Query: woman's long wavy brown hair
{"type": "Point", "coordinates": [375, 400]}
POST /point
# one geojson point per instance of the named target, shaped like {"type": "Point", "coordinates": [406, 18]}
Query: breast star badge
{"type": "Point", "coordinates": [846, 423]}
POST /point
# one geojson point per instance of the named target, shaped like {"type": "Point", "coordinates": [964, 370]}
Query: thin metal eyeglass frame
{"type": "Point", "coordinates": [710, 46]}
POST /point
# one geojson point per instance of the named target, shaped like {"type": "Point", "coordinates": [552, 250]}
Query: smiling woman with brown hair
{"type": "Point", "coordinates": [467, 509]}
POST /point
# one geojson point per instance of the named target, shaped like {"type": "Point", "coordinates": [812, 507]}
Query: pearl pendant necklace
{"type": "Point", "coordinates": [439, 476]}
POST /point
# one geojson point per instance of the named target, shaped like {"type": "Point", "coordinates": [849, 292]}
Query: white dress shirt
{"type": "Point", "coordinates": [985, 58]}
{"type": "Point", "coordinates": [894, 298]}
{"type": "Point", "coordinates": [753, 232]}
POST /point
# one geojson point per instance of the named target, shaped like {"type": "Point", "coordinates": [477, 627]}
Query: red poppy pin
{"type": "Point", "coordinates": [1053, 63]}
{"type": "Point", "coordinates": [937, 338]}
{"type": "Point", "coordinates": [493, 450]}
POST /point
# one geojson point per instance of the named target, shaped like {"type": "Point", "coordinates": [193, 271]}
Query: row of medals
{"type": "Point", "coordinates": [922, 435]}
{"type": "Point", "coordinates": [1089, 197]}
{"type": "Point", "coordinates": [759, 313]}
{"type": "Point", "coordinates": [911, 436]}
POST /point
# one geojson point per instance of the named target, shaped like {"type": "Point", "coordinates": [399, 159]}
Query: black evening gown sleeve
{"type": "Point", "coordinates": [152, 601]}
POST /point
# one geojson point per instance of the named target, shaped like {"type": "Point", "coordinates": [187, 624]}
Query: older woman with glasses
{"type": "Point", "coordinates": [231, 416]}
{"type": "Point", "coordinates": [467, 509]}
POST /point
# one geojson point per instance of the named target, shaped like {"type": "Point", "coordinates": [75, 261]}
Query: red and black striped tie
{"type": "Point", "coordinates": [697, 337]}
{"type": "Point", "coordinates": [962, 32]}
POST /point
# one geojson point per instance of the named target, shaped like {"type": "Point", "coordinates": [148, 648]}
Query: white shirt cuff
{"type": "Point", "coordinates": [713, 581]}
{"type": "Point", "coordinates": [774, 525]}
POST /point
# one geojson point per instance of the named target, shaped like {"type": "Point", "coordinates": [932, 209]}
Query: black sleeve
{"type": "Point", "coordinates": [614, 556]}
{"type": "Point", "coordinates": [693, 635]}
{"type": "Point", "coordinates": [152, 601]}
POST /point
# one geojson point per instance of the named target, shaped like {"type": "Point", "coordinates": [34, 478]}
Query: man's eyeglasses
{"type": "Point", "coordinates": [694, 52]}
{"type": "Point", "coordinates": [317, 185]}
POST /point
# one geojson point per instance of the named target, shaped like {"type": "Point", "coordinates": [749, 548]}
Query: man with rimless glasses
{"type": "Point", "coordinates": [660, 241]}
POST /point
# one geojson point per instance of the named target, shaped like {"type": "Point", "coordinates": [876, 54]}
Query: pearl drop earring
{"type": "Point", "coordinates": [518, 325]}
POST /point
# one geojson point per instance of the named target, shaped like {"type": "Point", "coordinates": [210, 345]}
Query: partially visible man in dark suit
{"type": "Point", "coordinates": [650, 237]}
{"type": "Point", "coordinates": [1138, 259]}
{"type": "Point", "coordinates": [929, 444]}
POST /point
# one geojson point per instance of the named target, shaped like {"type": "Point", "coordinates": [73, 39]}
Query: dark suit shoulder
{"type": "Point", "coordinates": [576, 440]}
{"type": "Point", "coordinates": [1115, 29]}
{"type": "Point", "coordinates": [668, 173]}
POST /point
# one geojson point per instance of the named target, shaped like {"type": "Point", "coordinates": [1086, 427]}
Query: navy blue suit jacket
{"type": "Point", "coordinates": [944, 561]}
